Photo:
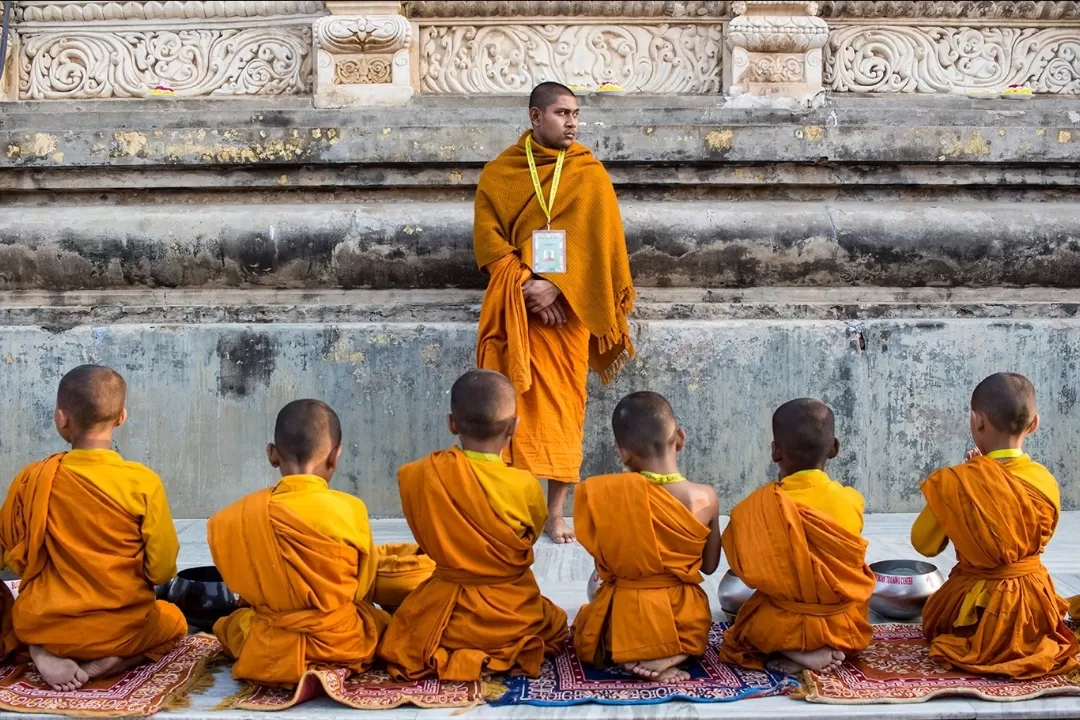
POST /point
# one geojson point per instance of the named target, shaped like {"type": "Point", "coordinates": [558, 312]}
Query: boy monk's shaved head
{"type": "Point", "coordinates": [92, 395]}
{"type": "Point", "coordinates": [805, 432]}
{"type": "Point", "coordinates": [1007, 400]}
{"type": "Point", "coordinates": [644, 424]}
{"type": "Point", "coordinates": [484, 404]}
{"type": "Point", "coordinates": [546, 93]}
{"type": "Point", "coordinates": [306, 430]}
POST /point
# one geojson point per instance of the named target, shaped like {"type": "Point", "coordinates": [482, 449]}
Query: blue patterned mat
{"type": "Point", "coordinates": [566, 680]}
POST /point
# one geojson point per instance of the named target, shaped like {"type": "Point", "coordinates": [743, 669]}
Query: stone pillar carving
{"type": "Point", "coordinates": [774, 49]}
{"type": "Point", "coordinates": [363, 55]}
{"type": "Point", "coordinates": [9, 83]}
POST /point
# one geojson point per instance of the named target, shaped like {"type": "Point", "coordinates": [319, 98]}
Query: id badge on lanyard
{"type": "Point", "coordinates": [549, 251]}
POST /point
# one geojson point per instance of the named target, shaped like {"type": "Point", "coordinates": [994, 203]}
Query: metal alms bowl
{"type": "Point", "coordinates": [903, 587]}
{"type": "Point", "coordinates": [732, 593]}
{"type": "Point", "coordinates": [202, 596]}
{"type": "Point", "coordinates": [594, 585]}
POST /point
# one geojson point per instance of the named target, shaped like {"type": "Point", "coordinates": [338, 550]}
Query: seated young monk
{"type": "Point", "coordinates": [482, 611]}
{"type": "Point", "coordinates": [998, 613]}
{"type": "Point", "coordinates": [301, 556]}
{"type": "Point", "coordinates": [90, 535]}
{"type": "Point", "coordinates": [652, 533]}
{"type": "Point", "coordinates": [798, 544]}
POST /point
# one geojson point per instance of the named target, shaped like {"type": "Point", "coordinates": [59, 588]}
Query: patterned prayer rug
{"type": "Point", "coordinates": [897, 668]}
{"type": "Point", "coordinates": [566, 680]}
{"type": "Point", "coordinates": [139, 692]}
{"type": "Point", "coordinates": [374, 690]}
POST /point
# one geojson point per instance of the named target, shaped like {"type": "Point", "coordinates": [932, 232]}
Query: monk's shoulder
{"type": "Point", "coordinates": [850, 495]}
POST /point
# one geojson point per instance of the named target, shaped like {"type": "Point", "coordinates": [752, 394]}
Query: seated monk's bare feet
{"type": "Point", "coordinates": [655, 669]}
{"type": "Point", "coordinates": [673, 675]}
{"type": "Point", "coordinates": [818, 660]}
{"type": "Point", "coordinates": [104, 667]}
{"type": "Point", "coordinates": [557, 529]}
{"type": "Point", "coordinates": [782, 665]}
{"type": "Point", "coordinates": [59, 673]}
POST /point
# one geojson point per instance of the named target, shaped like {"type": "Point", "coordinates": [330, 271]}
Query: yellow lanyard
{"type": "Point", "coordinates": [657, 479]}
{"type": "Point", "coordinates": [548, 206]}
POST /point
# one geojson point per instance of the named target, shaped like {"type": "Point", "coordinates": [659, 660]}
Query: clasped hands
{"type": "Point", "coordinates": [544, 300]}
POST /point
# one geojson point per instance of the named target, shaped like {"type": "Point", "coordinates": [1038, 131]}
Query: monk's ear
{"type": "Point", "coordinates": [122, 419]}
{"type": "Point", "coordinates": [335, 456]}
{"type": "Point", "coordinates": [1034, 424]}
{"type": "Point", "coordinates": [680, 439]}
{"type": "Point", "coordinates": [451, 424]}
{"type": "Point", "coordinates": [534, 116]}
{"type": "Point", "coordinates": [272, 455]}
{"type": "Point", "coordinates": [776, 454]}
{"type": "Point", "coordinates": [835, 450]}
{"type": "Point", "coordinates": [512, 429]}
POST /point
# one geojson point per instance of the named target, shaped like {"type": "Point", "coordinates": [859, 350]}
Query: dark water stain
{"type": "Point", "coordinates": [247, 361]}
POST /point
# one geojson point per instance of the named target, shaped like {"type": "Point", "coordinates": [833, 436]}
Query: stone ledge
{"type": "Point", "coordinates": [673, 243]}
{"type": "Point", "coordinates": [620, 130]}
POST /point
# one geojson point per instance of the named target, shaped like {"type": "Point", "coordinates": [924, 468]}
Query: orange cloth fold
{"type": "Point", "coordinates": [647, 548]}
{"type": "Point", "coordinates": [402, 567]}
{"type": "Point", "coordinates": [597, 283]}
{"type": "Point", "coordinates": [481, 611]}
{"type": "Point", "coordinates": [812, 585]}
{"type": "Point", "coordinates": [80, 556]}
{"type": "Point", "coordinates": [301, 586]}
{"type": "Point", "coordinates": [999, 526]}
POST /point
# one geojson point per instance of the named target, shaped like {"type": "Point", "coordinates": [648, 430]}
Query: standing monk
{"type": "Point", "coordinates": [547, 232]}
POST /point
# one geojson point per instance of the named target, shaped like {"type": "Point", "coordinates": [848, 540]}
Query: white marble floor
{"type": "Point", "coordinates": [563, 572]}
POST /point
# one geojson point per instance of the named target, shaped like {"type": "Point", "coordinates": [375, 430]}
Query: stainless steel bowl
{"type": "Point", "coordinates": [594, 585]}
{"type": "Point", "coordinates": [903, 587]}
{"type": "Point", "coordinates": [732, 593]}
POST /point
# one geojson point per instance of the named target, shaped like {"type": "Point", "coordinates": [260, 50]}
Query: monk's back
{"type": "Point", "coordinates": [697, 498]}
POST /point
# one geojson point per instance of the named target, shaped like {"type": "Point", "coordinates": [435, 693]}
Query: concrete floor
{"type": "Point", "coordinates": [563, 573]}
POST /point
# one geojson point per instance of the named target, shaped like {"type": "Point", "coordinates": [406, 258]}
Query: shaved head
{"type": "Point", "coordinates": [92, 395]}
{"type": "Point", "coordinates": [546, 93]}
{"type": "Point", "coordinates": [644, 424]}
{"type": "Point", "coordinates": [484, 404]}
{"type": "Point", "coordinates": [804, 431]}
{"type": "Point", "coordinates": [1007, 400]}
{"type": "Point", "coordinates": [305, 430]}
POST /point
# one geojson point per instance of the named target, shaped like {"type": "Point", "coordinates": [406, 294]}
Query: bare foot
{"type": "Point", "coordinates": [818, 660]}
{"type": "Point", "coordinates": [59, 673]}
{"type": "Point", "coordinates": [784, 666]}
{"type": "Point", "coordinates": [642, 672]}
{"type": "Point", "coordinates": [673, 675]}
{"type": "Point", "coordinates": [655, 669]}
{"type": "Point", "coordinates": [105, 667]}
{"type": "Point", "coordinates": [557, 529]}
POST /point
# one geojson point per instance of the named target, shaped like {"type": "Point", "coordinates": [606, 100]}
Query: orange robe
{"type": "Point", "coordinates": [549, 366]}
{"type": "Point", "coordinates": [482, 611]}
{"type": "Point", "coordinates": [306, 589]}
{"type": "Point", "coordinates": [88, 563]}
{"type": "Point", "coordinates": [647, 547]}
{"type": "Point", "coordinates": [812, 585]}
{"type": "Point", "coordinates": [998, 613]}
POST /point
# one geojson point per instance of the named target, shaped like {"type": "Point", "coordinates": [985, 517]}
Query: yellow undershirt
{"type": "Point", "coordinates": [515, 495]}
{"type": "Point", "coordinates": [340, 516]}
{"type": "Point", "coordinates": [814, 488]}
{"type": "Point", "coordinates": [139, 491]}
{"type": "Point", "coordinates": [929, 538]}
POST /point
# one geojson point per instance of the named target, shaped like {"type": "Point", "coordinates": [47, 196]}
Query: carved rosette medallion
{"type": "Point", "coordinates": [362, 60]}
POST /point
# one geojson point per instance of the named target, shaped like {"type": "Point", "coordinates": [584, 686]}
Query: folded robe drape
{"type": "Point", "coordinates": [84, 593]}
{"type": "Point", "coordinates": [481, 611]}
{"type": "Point", "coordinates": [647, 548]}
{"type": "Point", "coordinates": [999, 526]}
{"type": "Point", "coordinates": [812, 585]}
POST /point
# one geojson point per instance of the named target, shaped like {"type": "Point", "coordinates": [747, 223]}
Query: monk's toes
{"type": "Point", "coordinates": [673, 675]}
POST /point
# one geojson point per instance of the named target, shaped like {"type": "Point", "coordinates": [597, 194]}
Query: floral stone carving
{"type": "Point", "coordinates": [84, 64]}
{"type": "Point", "coordinates": [512, 58]}
{"type": "Point", "coordinates": [362, 60]}
{"type": "Point", "coordinates": [936, 60]}
{"type": "Point", "coordinates": [775, 49]}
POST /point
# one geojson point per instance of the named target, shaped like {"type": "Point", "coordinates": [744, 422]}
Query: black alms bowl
{"type": "Point", "coordinates": [201, 595]}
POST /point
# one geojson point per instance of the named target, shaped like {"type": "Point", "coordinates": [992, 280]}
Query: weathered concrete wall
{"type": "Point", "coordinates": [203, 397]}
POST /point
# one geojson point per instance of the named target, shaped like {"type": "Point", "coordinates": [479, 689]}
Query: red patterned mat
{"type": "Point", "coordinates": [897, 668]}
{"type": "Point", "coordinates": [374, 690]}
{"type": "Point", "coordinates": [139, 692]}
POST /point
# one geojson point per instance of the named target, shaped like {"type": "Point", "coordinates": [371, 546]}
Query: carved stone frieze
{"type": "Point", "coordinates": [936, 59]}
{"type": "Point", "coordinates": [962, 10]}
{"type": "Point", "coordinates": [442, 9]}
{"type": "Point", "coordinates": [362, 60]}
{"type": "Point", "coordinates": [775, 49]}
{"type": "Point", "coordinates": [193, 63]}
{"type": "Point", "coordinates": [49, 11]}
{"type": "Point", "coordinates": [507, 58]}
